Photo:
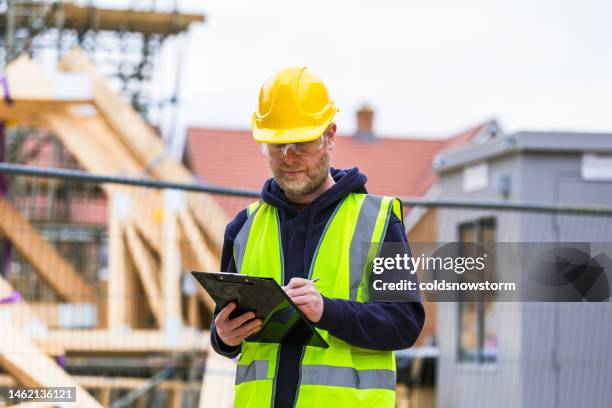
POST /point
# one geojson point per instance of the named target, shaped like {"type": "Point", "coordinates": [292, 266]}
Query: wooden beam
{"type": "Point", "coordinates": [117, 268]}
{"type": "Point", "coordinates": [176, 398]}
{"type": "Point", "coordinates": [122, 296]}
{"type": "Point", "coordinates": [171, 271]}
{"type": "Point", "coordinates": [46, 261]}
{"type": "Point", "coordinates": [84, 18]}
{"type": "Point", "coordinates": [48, 312]}
{"type": "Point", "coordinates": [25, 318]}
{"type": "Point", "coordinates": [211, 218]}
{"type": "Point", "coordinates": [206, 260]}
{"type": "Point", "coordinates": [14, 115]}
{"type": "Point", "coordinates": [141, 402]}
{"type": "Point", "coordinates": [193, 312]}
{"type": "Point", "coordinates": [91, 142]}
{"type": "Point", "coordinates": [147, 210]}
{"type": "Point", "coordinates": [26, 80]}
{"type": "Point", "coordinates": [29, 89]}
{"type": "Point", "coordinates": [22, 359]}
{"type": "Point", "coordinates": [129, 341]}
{"type": "Point", "coordinates": [141, 21]}
{"type": "Point", "coordinates": [105, 396]}
{"type": "Point", "coordinates": [147, 271]}
{"type": "Point", "coordinates": [50, 348]}
{"type": "Point", "coordinates": [195, 300]}
{"type": "Point", "coordinates": [19, 310]}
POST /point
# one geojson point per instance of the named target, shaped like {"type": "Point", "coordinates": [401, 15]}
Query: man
{"type": "Point", "coordinates": [313, 222]}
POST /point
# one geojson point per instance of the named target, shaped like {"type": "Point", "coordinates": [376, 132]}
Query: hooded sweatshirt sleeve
{"type": "Point", "coordinates": [376, 325]}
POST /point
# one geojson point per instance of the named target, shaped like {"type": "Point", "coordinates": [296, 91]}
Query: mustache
{"type": "Point", "coordinates": [290, 170]}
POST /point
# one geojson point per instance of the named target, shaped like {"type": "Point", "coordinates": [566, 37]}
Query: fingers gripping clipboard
{"type": "Point", "coordinates": [267, 300]}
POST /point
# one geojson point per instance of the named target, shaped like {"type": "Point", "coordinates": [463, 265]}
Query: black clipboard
{"type": "Point", "coordinates": [267, 299]}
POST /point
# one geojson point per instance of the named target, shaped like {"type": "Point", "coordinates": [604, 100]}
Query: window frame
{"type": "Point", "coordinates": [478, 356]}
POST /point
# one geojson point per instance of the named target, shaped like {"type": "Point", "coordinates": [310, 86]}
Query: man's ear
{"type": "Point", "coordinates": [331, 136]}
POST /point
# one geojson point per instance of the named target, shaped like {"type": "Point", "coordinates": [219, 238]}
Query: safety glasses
{"type": "Point", "coordinates": [299, 149]}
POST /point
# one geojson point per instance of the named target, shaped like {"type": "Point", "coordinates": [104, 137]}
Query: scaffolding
{"type": "Point", "coordinates": [122, 43]}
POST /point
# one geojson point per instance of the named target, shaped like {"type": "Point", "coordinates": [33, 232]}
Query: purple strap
{"type": "Point", "coordinates": [5, 89]}
{"type": "Point", "coordinates": [5, 256]}
{"type": "Point", "coordinates": [13, 297]}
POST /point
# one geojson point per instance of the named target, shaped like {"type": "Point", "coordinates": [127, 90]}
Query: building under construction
{"type": "Point", "coordinates": [95, 291]}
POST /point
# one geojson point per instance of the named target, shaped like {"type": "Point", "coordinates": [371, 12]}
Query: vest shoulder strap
{"type": "Point", "coordinates": [398, 209]}
{"type": "Point", "coordinates": [396, 206]}
{"type": "Point", "coordinates": [253, 207]}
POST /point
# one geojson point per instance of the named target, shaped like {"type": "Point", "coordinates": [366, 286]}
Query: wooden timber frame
{"type": "Point", "coordinates": [155, 237]}
{"type": "Point", "coordinates": [119, 142]}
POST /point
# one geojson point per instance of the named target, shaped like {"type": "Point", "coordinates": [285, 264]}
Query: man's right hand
{"type": "Point", "coordinates": [233, 331]}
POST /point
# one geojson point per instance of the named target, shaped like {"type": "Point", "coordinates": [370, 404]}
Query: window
{"type": "Point", "coordinates": [476, 334]}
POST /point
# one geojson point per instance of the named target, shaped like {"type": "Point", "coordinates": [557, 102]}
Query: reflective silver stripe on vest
{"type": "Point", "coordinates": [257, 370]}
{"type": "Point", "coordinates": [241, 239]}
{"type": "Point", "coordinates": [347, 377]}
{"type": "Point", "coordinates": [366, 221]}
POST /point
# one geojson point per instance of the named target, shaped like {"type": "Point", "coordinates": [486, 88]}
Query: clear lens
{"type": "Point", "coordinates": [300, 149]}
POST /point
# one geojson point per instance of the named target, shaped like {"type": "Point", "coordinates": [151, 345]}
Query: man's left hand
{"type": "Point", "coordinates": [307, 298]}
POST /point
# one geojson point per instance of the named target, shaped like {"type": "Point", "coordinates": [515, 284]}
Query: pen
{"type": "Point", "coordinates": [314, 280]}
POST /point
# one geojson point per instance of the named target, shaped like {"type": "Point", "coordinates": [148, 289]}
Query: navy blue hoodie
{"type": "Point", "coordinates": [376, 325]}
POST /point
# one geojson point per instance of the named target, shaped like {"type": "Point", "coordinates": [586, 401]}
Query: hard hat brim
{"type": "Point", "coordinates": [283, 136]}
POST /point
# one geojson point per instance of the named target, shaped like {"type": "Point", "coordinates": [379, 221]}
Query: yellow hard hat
{"type": "Point", "coordinates": [294, 106]}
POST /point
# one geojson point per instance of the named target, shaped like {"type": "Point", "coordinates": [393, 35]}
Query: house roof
{"type": "Point", "coordinates": [394, 166]}
{"type": "Point", "coordinates": [544, 142]}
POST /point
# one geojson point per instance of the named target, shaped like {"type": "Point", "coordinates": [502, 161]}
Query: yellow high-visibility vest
{"type": "Point", "coordinates": [341, 375]}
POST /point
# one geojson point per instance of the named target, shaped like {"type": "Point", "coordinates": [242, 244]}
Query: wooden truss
{"type": "Point", "coordinates": [155, 236]}
{"type": "Point", "coordinates": [107, 136]}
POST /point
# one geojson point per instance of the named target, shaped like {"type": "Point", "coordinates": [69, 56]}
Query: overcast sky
{"type": "Point", "coordinates": [428, 68]}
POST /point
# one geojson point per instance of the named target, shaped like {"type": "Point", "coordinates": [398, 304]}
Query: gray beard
{"type": "Point", "coordinates": [316, 176]}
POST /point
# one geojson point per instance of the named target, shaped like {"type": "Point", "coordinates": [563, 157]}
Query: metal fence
{"type": "Point", "coordinates": [544, 354]}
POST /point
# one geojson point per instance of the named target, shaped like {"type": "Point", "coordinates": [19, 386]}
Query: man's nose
{"type": "Point", "coordinates": [290, 157]}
